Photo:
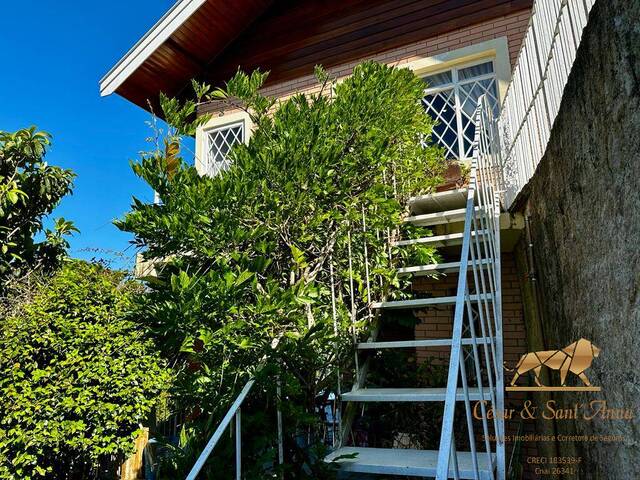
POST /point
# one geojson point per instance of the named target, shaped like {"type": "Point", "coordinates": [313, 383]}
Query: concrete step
{"type": "Point", "coordinates": [436, 342]}
{"type": "Point", "coordinates": [408, 462]}
{"type": "Point", "coordinates": [410, 395]}
{"type": "Point", "coordinates": [450, 239]}
{"type": "Point", "coordinates": [448, 267]}
{"type": "Point", "coordinates": [439, 218]}
{"type": "Point", "coordinates": [426, 302]}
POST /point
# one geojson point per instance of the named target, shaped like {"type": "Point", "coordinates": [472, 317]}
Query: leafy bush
{"type": "Point", "coordinates": [29, 191]}
{"type": "Point", "coordinates": [76, 376]}
{"type": "Point", "coordinates": [253, 254]}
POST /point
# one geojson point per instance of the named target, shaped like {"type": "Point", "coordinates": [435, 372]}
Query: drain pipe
{"type": "Point", "coordinates": [527, 231]}
{"type": "Point", "coordinates": [532, 303]}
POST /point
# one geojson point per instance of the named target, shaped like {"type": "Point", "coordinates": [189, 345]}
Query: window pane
{"type": "Point", "coordinates": [220, 142]}
{"type": "Point", "coordinates": [475, 71]}
{"type": "Point", "coordinates": [438, 79]}
{"type": "Point", "coordinates": [469, 94]}
{"type": "Point", "coordinates": [454, 106]}
{"type": "Point", "coordinates": [441, 107]}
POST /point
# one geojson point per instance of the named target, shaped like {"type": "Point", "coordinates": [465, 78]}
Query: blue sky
{"type": "Point", "coordinates": [53, 55]}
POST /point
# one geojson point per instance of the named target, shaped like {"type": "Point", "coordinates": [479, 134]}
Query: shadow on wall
{"type": "Point", "coordinates": [584, 207]}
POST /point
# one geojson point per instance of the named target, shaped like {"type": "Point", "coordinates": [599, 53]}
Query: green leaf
{"type": "Point", "coordinates": [243, 278]}
{"type": "Point", "coordinates": [298, 257]}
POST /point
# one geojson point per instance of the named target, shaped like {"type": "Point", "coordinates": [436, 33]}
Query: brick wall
{"type": "Point", "coordinates": [512, 26]}
{"type": "Point", "coordinates": [437, 322]}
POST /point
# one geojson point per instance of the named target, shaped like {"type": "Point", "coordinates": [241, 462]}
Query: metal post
{"type": "Point", "coordinates": [280, 428]}
{"type": "Point", "coordinates": [467, 407]}
{"type": "Point", "coordinates": [446, 435]}
{"type": "Point", "coordinates": [353, 302]}
{"type": "Point", "coordinates": [454, 458]}
{"type": "Point", "coordinates": [238, 444]}
{"type": "Point", "coordinates": [334, 314]}
{"type": "Point", "coordinates": [500, 440]}
{"type": "Point", "coordinates": [366, 258]}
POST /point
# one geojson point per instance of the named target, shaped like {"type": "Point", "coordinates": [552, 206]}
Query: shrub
{"type": "Point", "coordinates": [76, 376]}
{"type": "Point", "coordinates": [249, 254]}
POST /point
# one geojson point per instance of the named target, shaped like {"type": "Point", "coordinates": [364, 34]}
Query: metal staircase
{"type": "Point", "coordinates": [476, 341]}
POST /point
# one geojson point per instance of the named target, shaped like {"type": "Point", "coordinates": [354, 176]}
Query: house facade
{"type": "Point", "coordinates": [462, 51]}
{"type": "Point", "coordinates": [517, 57]}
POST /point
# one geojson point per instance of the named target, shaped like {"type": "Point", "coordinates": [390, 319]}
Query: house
{"type": "Point", "coordinates": [495, 73]}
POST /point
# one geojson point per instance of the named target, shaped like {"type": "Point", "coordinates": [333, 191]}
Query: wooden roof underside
{"type": "Point", "coordinates": [289, 37]}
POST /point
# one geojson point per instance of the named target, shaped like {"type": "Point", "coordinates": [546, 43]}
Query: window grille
{"type": "Point", "coordinates": [451, 98]}
{"type": "Point", "coordinates": [219, 143]}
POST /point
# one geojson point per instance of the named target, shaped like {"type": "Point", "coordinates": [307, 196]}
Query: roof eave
{"type": "Point", "coordinates": [149, 43]}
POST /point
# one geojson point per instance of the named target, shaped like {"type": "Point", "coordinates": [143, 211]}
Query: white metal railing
{"type": "Point", "coordinates": [233, 412]}
{"type": "Point", "coordinates": [533, 97]}
{"type": "Point", "coordinates": [478, 305]}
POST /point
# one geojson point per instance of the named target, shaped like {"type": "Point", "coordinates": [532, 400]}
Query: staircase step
{"type": "Point", "coordinates": [420, 270]}
{"type": "Point", "coordinates": [410, 395]}
{"type": "Point", "coordinates": [447, 240]}
{"type": "Point", "coordinates": [438, 218]}
{"type": "Point", "coordinates": [409, 462]}
{"type": "Point", "coordinates": [426, 302]}
{"type": "Point", "coordinates": [435, 342]}
{"type": "Point", "coordinates": [438, 201]}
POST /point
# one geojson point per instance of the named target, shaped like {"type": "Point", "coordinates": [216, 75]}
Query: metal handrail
{"type": "Point", "coordinates": [234, 411]}
{"type": "Point", "coordinates": [482, 212]}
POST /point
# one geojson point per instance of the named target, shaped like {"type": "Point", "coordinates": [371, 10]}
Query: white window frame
{"type": "Point", "coordinates": [456, 85]}
{"type": "Point", "coordinates": [496, 50]}
{"type": "Point", "coordinates": [208, 144]}
{"type": "Point", "coordinates": [218, 121]}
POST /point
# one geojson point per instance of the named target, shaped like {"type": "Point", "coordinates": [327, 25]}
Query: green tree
{"type": "Point", "coordinates": [77, 377]}
{"type": "Point", "coordinates": [253, 254]}
{"type": "Point", "coordinates": [30, 189]}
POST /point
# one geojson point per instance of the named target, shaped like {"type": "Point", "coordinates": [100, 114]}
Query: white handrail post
{"type": "Point", "coordinates": [446, 435]}
{"type": "Point", "coordinates": [500, 440]}
{"type": "Point", "coordinates": [239, 444]}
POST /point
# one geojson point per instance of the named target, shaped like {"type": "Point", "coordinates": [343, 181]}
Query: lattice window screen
{"type": "Point", "coordinates": [219, 143]}
{"type": "Point", "coordinates": [451, 98]}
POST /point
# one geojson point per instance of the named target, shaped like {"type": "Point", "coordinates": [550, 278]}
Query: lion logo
{"type": "Point", "coordinates": [575, 358]}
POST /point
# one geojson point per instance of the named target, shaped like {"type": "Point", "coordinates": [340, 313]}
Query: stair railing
{"type": "Point", "coordinates": [233, 412]}
{"type": "Point", "coordinates": [478, 303]}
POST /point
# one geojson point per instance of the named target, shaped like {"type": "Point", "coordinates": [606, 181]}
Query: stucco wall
{"type": "Point", "coordinates": [584, 205]}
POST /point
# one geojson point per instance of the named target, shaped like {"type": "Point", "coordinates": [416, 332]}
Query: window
{"type": "Point", "coordinates": [218, 144]}
{"type": "Point", "coordinates": [451, 98]}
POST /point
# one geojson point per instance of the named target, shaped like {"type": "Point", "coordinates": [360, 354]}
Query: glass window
{"type": "Point", "coordinates": [452, 104]}
{"type": "Point", "coordinates": [219, 143]}
{"type": "Point", "coordinates": [438, 79]}
{"type": "Point", "coordinates": [475, 71]}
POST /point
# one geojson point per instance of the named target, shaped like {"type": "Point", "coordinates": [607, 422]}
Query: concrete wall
{"type": "Point", "coordinates": [584, 207]}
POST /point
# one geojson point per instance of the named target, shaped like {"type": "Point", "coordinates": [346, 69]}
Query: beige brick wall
{"type": "Point", "coordinates": [437, 322]}
{"type": "Point", "coordinates": [511, 26]}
